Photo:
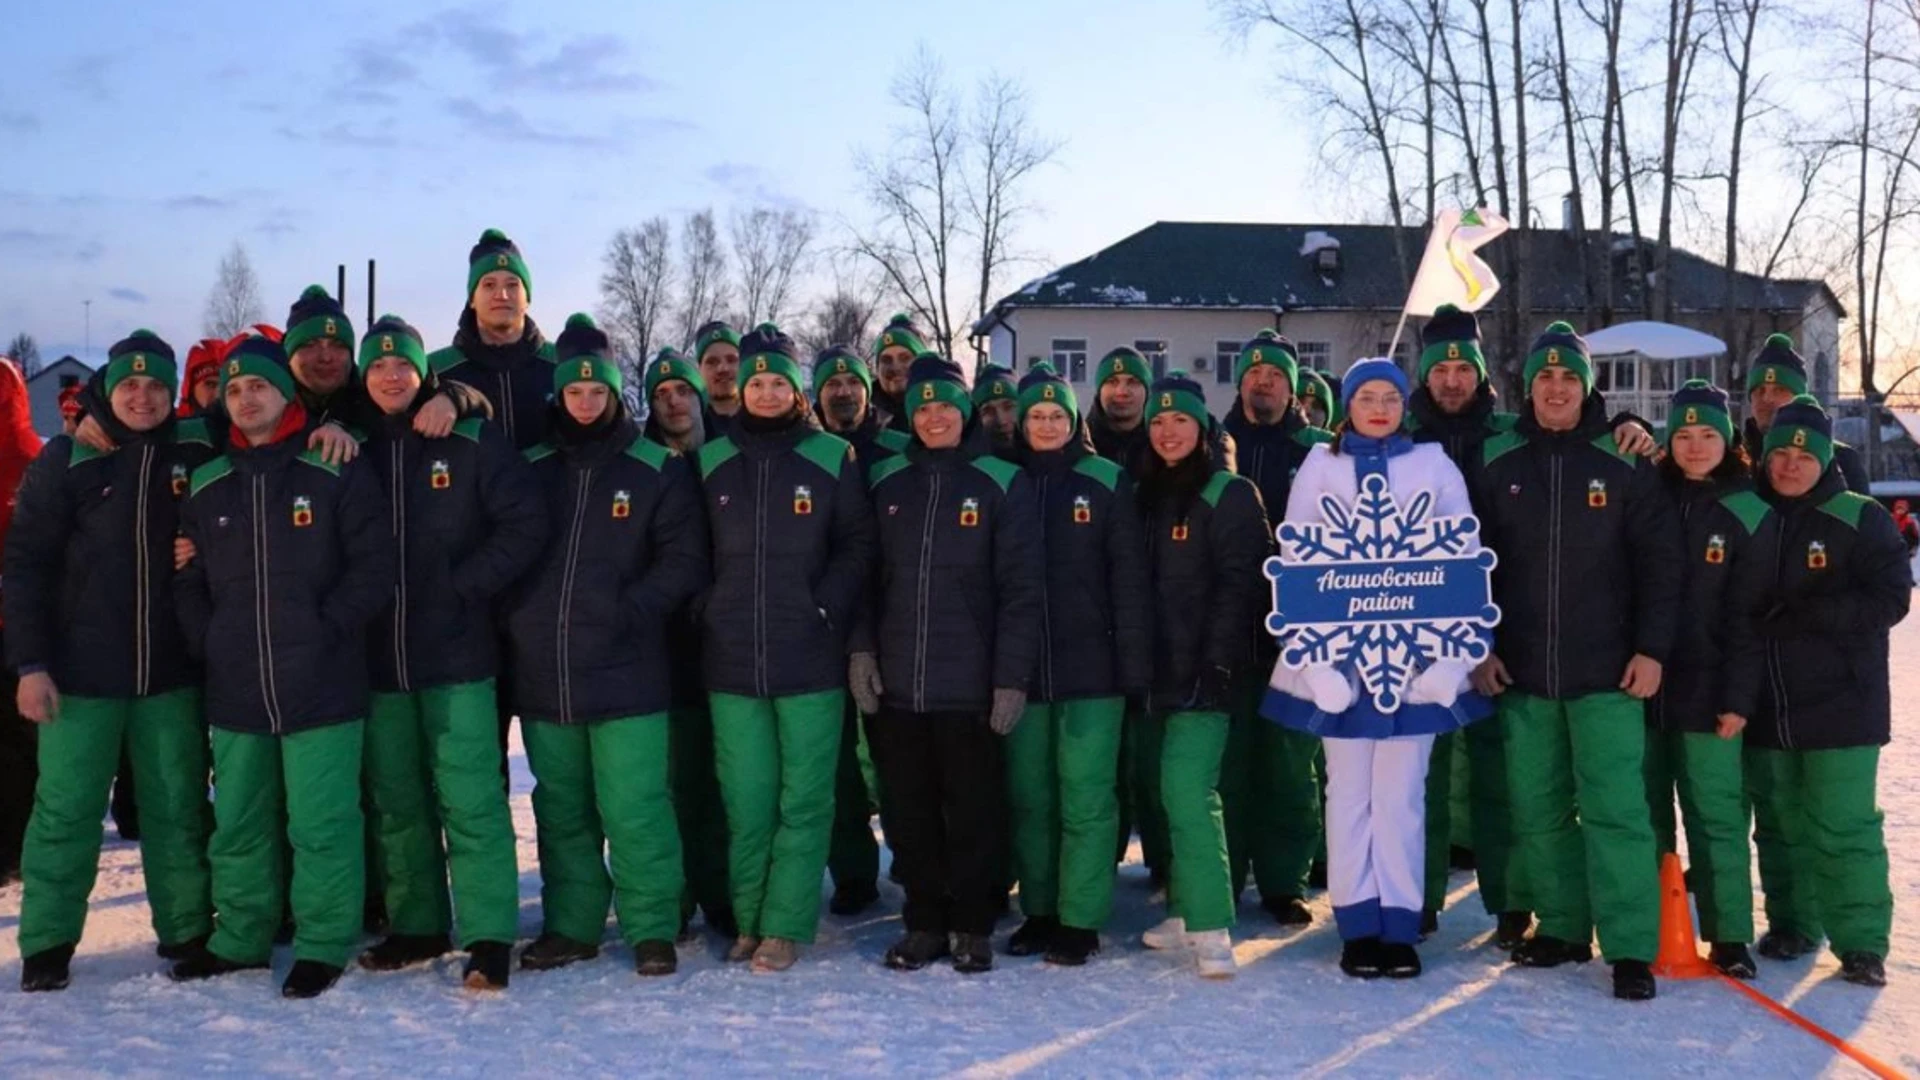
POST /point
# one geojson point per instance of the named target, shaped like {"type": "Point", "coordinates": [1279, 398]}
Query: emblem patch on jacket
{"type": "Point", "coordinates": [802, 499]}
{"type": "Point", "coordinates": [442, 478]}
{"type": "Point", "coordinates": [1180, 532]}
{"type": "Point", "coordinates": [179, 479]}
{"type": "Point", "coordinates": [1716, 549]}
{"type": "Point", "coordinates": [302, 511]}
{"type": "Point", "coordinates": [969, 510]}
{"type": "Point", "coordinates": [1082, 510]}
{"type": "Point", "coordinates": [1816, 555]}
{"type": "Point", "coordinates": [622, 504]}
{"type": "Point", "coordinates": [1596, 493]}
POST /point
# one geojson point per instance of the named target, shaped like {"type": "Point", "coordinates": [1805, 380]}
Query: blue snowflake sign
{"type": "Point", "coordinates": [1381, 591]}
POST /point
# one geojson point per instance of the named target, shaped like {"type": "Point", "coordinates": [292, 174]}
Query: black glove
{"type": "Point", "coordinates": [1212, 690]}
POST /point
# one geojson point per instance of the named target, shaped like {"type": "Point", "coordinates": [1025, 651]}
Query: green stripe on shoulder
{"type": "Point", "coordinates": [649, 453]}
{"type": "Point", "coordinates": [539, 452]}
{"type": "Point", "coordinates": [715, 454]}
{"type": "Point", "coordinates": [547, 352]}
{"type": "Point", "coordinates": [469, 429]}
{"type": "Point", "coordinates": [1100, 470]}
{"type": "Point", "coordinates": [827, 451]}
{"type": "Point", "coordinates": [1500, 445]}
{"type": "Point", "coordinates": [1606, 443]}
{"type": "Point", "coordinates": [1217, 486]}
{"type": "Point", "coordinates": [1502, 421]}
{"type": "Point", "coordinates": [1751, 509]}
{"type": "Point", "coordinates": [1002, 472]}
{"type": "Point", "coordinates": [886, 468]}
{"type": "Point", "coordinates": [445, 360]}
{"type": "Point", "coordinates": [206, 474]}
{"type": "Point", "coordinates": [892, 441]}
{"type": "Point", "coordinates": [1312, 436]}
{"type": "Point", "coordinates": [1847, 508]}
{"type": "Point", "coordinates": [313, 458]}
{"type": "Point", "coordinates": [82, 453]}
{"type": "Point", "coordinates": [192, 432]}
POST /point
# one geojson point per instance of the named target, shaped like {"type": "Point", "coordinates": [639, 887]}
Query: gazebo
{"type": "Point", "coordinates": [1639, 365]}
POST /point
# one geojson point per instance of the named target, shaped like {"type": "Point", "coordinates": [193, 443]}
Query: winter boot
{"type": "Point", "coordinates": [742, 949]}
{"type": "Point", "coordinates": [207, 964]}
{"type": "Point", "coordinates": [1542, 951]}
{"type": "Point", "coordinates": [1034, 936]}
{"type": "Point", "coordinates": [1288, 911]}
{"type": "Point", "coordinates": [1213, 954]}
{"type": "Point", "coordinates": [1361, 958]}
{"type": "Point", "coordinates": [1399, 961]}
{"type": "Point", "coordinates": [1317, 874]}
{"type": "Point", "coordinates": [918, 949]}
{"type": "Point", "coordinates": [1863, 969]}
{"type": "Point", "coordinates": [1072, 946]}
{"type": "Point", "coordinates": [853, 897]}
{"type": "Point", "coordinates": [1170, 934]}
{"type": "Point", "coordinates": [488, 965]}
{"type": "Point", "coordinates": [1429, 923]}
{"type": "Point", "coordinates": [972, 953]}
{"type": "Point", "coordinates": [309, 979]}
{"type": "Point", "coordinates": [182, 949]}
{"type": "Point", "coordinates": [774, 956]}
{"type": "Point", "coordinates": [404, 951]}
{"type": "Point", "coordinates": [373, 918]}
{"type": "Point", "coordinates": [1633, 980]}
{"type": "Point", "coordinates": [46, 970]}
{"type": "Point", "coordinates": [721, 921]}
{"type": "Point", "coordinates": [1785, 945]}
{"type": "Point", "coordinates": [1511, 929]}
{"type": "Point", "coordinates": [1734, 960]}
{"type": "Point", "coordinates": [652, 958]}
{"type": "Point", "coordinates": [550, 951]}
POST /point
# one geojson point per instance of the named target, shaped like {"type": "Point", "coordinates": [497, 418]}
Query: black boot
{"type": "Point", "coordinates": [1863, 969]}
{"type": "Point", "coordinates": [1034, 936]}
{"type": "Point", "coordinates": [488, 965]}
{"type": "Point", "coordinates": [1542, 951]}
{"type": "Point", "coordinates": [972, 953]}
{"type": "Point", "coordinates": [1288, 911]}
{"type": "Point", "coordinates": [1361, 958]}
{"type": "Point", "coordinates": [1785, 945]}
{"type": "Point", "coordinates": [207, 964]}
{"type": "Point", "coordinates": [1429, 923]}
{"type": "Point", "coordinates": [915, 951]}
{"type": "Point", "coordinates": [1633, 981]}
{"type": "Point", "coordinates": [181, 950]}
{"type": "Point", "coordinates": [1734, 960]}
{"type": "Point", "coordinates": [652, 958]}
{"type": "Point", "coordinates": [1317, 874]}
{"type": "Point", "coordinates": [550, 951]}
{"type": "Point", "coordinates": [1072, 946]}
{"type": "Point", "coordinates": [46, 970]}
{"type": "Point", "coordinates": [309, 979]}
{"type": "Point", "coordinates": [1510, 930]}
{"type": "Point", "coordinates": [853, 897]}
{"type": "Point", "coordinates": [1399, 961]}
{"type": "Point", "coordinates": [404, 951]}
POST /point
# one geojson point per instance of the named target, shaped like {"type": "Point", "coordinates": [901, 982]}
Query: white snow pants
{"type": "Point", "coordinates": [1377, 835]}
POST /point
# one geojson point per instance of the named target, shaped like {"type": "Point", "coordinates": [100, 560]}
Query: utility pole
{"type": "Point", "coordinates": [87, 348]}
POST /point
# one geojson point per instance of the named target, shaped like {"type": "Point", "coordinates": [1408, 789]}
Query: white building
{"type": "Point", "coordinates": [43, 392]}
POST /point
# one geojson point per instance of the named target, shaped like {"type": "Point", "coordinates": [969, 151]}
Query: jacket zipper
{"type": "Point", "coordinates": [925, 599]}
{"type": "Point", "coordinates": [263, 608]}
{"type": "Point", "coordinates": [143, 571]}
{"type": "Point", "coordinates": [1046, 615]}
{"type": "Point", "coordinates": [760, 580]}
{"type": "Point", "coordinates": [399, 490]}
{"type": "Point", "coordinates": [1774, 672]}
{"type": "Point", "coordinates": [1553, 577]}
{"type": "Point", "coordinates": [506, 406]}
{"type": "Point", "coordinates": [562, 647]}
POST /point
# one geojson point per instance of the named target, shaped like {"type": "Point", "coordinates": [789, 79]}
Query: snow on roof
{"type": "Point", "coordinates": [1317, 240]}
{"type": "Point", "coordinates": [1121, 294]}
{"type": "Point", "coordinates": [1654, 340]}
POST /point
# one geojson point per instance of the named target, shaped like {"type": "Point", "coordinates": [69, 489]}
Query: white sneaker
{"type": "Point", "coordinates": [1213, 954]}
{"type": "Point", "coordinates": [1171, 934]}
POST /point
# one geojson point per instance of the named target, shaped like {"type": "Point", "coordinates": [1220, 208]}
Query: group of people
{"type": "Point", "coordinates": [355, 561]}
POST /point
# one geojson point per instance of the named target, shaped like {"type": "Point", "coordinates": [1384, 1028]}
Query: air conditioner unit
{"type": "Point", "coordinates": [1200, 362]}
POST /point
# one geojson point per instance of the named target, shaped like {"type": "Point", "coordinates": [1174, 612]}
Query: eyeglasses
{"type": "Point", "coordinates": [1378, 401]}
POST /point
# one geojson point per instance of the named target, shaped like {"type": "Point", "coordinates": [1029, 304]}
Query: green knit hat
{"type": "Point", "coordinates": [1177, 392]}
{"type": "Point", "coordinates": [315, 317]}
{"type": "Point", "coordinates": [1451, 334]}
{"type": "Point", "coordinates": [1043, 385]}
{"type": "Point", "coordinates": [899, 333]}
{"type": "Point", "coordinates": [262, 356]}
{"type": "Point", "coordinates": [668, 365]}
{"type": "Point", "coordinates": [1803, 424]}
{"type": "Point", "coordinates": [1268, 347]}
{"type": "Point", "coordinates": [994, 383]}
{"type": "Point", "coordinates": [583, 354]}
{"type": "Point", "coordinates": [767, 351]}
{"type": "Point", "coordinates": [934, 378]}
{"type": "Point", "coordinates": [1778, 363]}
{"type": "Point", "coordinates": [496, 252]}
{"type": "Point", "coordinates": [392, 335]}
{"type": "Point", "coordinates": [142, 353]}
{"type": "Point", "coordinates": [839, 360]}
{"type": "Point", "coordinates": [1122, 361]}
{"type": "Point", "coordinates": [1699, 402]}
{"type": "Point", "coordinates": [1559, 346]}
{"type": "Point", "coordinates": [717, 332]}
{"type": "Point", "coordinates": [1315, 387]}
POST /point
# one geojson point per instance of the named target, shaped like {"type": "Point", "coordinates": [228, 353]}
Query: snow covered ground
{"type": "Point", "coordinates": [1129, 1013]}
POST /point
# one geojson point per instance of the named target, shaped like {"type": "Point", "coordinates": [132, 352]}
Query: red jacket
{"type": "Point", "coordinates": [19, 443]}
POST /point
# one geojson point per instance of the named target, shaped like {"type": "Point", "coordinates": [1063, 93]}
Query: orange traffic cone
{"type": "Point", "coordinates": [1679, 951]}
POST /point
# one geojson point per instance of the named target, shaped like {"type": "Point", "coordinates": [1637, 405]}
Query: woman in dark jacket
{"type": "Point", "coordinates": [1712, 679]}
{"type": "Point", "coordinates": [792, 548]}
{"type": "Point", "coordinates": [1096, 648]}
{"type": "Point", "coordinates": [1206, 540]}
{"type": "Point", "coordinates": [1842, 581]}
{"type": "Point", "coordinates": [627, 546]}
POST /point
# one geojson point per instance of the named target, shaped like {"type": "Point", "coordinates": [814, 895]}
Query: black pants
{"type": "Point", "coordinates": [19, 771]}
{"type": "Point", "coordinates": [946, 815]}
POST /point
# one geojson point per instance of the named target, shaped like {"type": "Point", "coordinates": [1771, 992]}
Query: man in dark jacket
{"type": "Point", "coordinates": [678, 416]}
{"type": "Point", "coordinates": [293, 561]}
{"type": "Point", "coordinates": [1117, 421]}
{"type": "Point", "coordinates": [1269, 785]}
{"type": "Point", "coordinates": [1588, 586]}
{"type": "Point", "coordinates": [498, 351]}
{"type": "Point", "coordinates": [957, 634]}
{"type": "Point", "coordinates": [1777, 374]}
{"type": "Point", "coordinates": [996, 402]}
{"type": "Point", "coordinates": [467, 522]}
{"type": "Point", "coordinates": [103, 665]}
{"type": "Point", "coordinates": [716, 350]}
{"type": "Point", "coordinates": [1812, 762]}
{"type": "Point", "coordinates": [893, 355]}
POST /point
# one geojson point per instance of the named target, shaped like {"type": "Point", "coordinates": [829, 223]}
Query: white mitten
{"type": "Point", "coordinates": [1330, 689]}
{"type": "Point", "coordinates": [1438, 684]}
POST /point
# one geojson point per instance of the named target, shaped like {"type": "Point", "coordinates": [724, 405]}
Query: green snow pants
{"type": "Point", "coordinates": [79, 755]}
{"type": "Point", "coordinates": [1825, 867]}
{"type": "Point", "coordinates": [1488, 815]}
{"type": "Point", "coordinates": [777, 759]}
{"type": "Point", "coordinates": [1575, 770]}
{"type": "Point", "coordinates": [433, 768]}
{"type": "Point", "coordinates": [1201, 888]}
{"type": "Point", "coordinates": [1062, 761]}
{"type": "Point", "coordinates": [853, 855]}
{"type": "Point", "coordinates": [1270, 793]}
{"type": "Point", "coordinates": [1704, 770]}
{"type": "Point", "coordinates": [272, 792]}
{"type": "Point", "coordinates": [602, 797]}
{"type": "Point", "coordinates": [701, 813]}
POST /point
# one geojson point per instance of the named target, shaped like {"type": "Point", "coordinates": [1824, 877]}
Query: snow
{"type": "Point", "coordinates": [1032, 288]}
{"type": "Point", "coordinates": [1120, 294]}
{"type": "Point", "coordinates": [1317, 241]}
{"type": "Point", "coordinates": [1654, 340]}
{"type": "Point", "coordinates": [1128, 1013]}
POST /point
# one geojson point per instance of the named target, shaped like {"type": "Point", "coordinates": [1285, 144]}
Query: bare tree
{"type": "Point", "coordinates": [703, 263]}
{"type": "Point", "coordinates": [1004, 150]}
{"type": "Point", "coordinates": [1683, 45]}
{"type": "Point", "coordinates": [842, 317]}
{"type": "Point", "coordinates": [1736, 23]}
{"type": "Point", "coordinates": [636, 280]}
{"type": "Point", "coordinates": [772, 248]}
{"type": "Point", "coordinates": [234, 303]}
{"type": "Point", "coordinates": [25, 352]}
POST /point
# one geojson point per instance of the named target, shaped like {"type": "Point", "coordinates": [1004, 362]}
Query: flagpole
{"type": "Point", "coordinates": [1397, 331]}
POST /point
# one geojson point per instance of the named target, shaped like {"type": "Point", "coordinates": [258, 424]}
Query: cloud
{"type": "Point", "coordinates": [89, 251]}
{"type": "Point", "coordinates": [278, 223]}
{"type": "Point", "coordinates": [372, 75]}
{"type": "Point", "coordinates": [198, 202]}
{"type": "Point", "coordinates": [508, 123]}
{"type": "Point", "coordinates": [87, 76]}
{"type": "Point", "coordinates": [343, 135]}
{"type": "Point", "coordinates": [19, 123]}
{"type": "Point", "coordinates": [28, 240]}
{"type": "Point", "coordinates": [517, 60]}
{"type": "Point", "coordinates": [131, 296]}
{"type": "Point", "coordinates": [749, 184]}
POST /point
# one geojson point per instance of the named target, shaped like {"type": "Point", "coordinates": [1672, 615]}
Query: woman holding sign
{"type": "Point", "coordinates": [1379, 728]}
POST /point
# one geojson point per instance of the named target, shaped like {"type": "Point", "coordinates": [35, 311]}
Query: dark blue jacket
{"type": "Point", "coordinates": [89, 564]}
{"type": "Point", "coordinates": [1206, 543]}
{"type": "Point", "coordinates": [1718, 661]}
{"type": "Point", "coordinates": [294, 560]}
{"type": "Point", "coordinates": [465, 522]}
{"type": "Point", "coordinates": [516, 380]}
{"type": "Point", "coordinates": [1269, 454]}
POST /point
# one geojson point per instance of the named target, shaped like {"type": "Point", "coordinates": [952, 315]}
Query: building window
{"type": "Point", "coordinates": [1070, 358]}
{"type": "Point", "coordinates": [1317, 355]}
{"type": "Point", "coordinates": [1156, 356]}
{"type": "Point", "coordinates": [1225, 355]}
{"type": "Point", "coordinates": [1399, 354]}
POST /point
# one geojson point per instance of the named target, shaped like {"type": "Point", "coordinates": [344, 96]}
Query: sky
{"type": "Point", "coordinates": [143, 140]}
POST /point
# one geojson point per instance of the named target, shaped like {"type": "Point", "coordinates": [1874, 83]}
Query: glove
{"type": "Point", "coordinates": [1330, 688]}
{"type": "Point", "coordinates": [1008, 707]}
{"type": "Point", "coordinates": [863, 682]}
{"type": "Point", "coordinates": [1212, 690]}
{"type": "Point", "coordinates": [1438, 685]}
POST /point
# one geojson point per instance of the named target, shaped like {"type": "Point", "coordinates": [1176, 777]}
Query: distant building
{"type": "Point", "coordinates": [43, 392]}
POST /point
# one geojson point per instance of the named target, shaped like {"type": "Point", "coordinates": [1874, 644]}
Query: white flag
{"type": "Point", "coordinates": [1450, 272]}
